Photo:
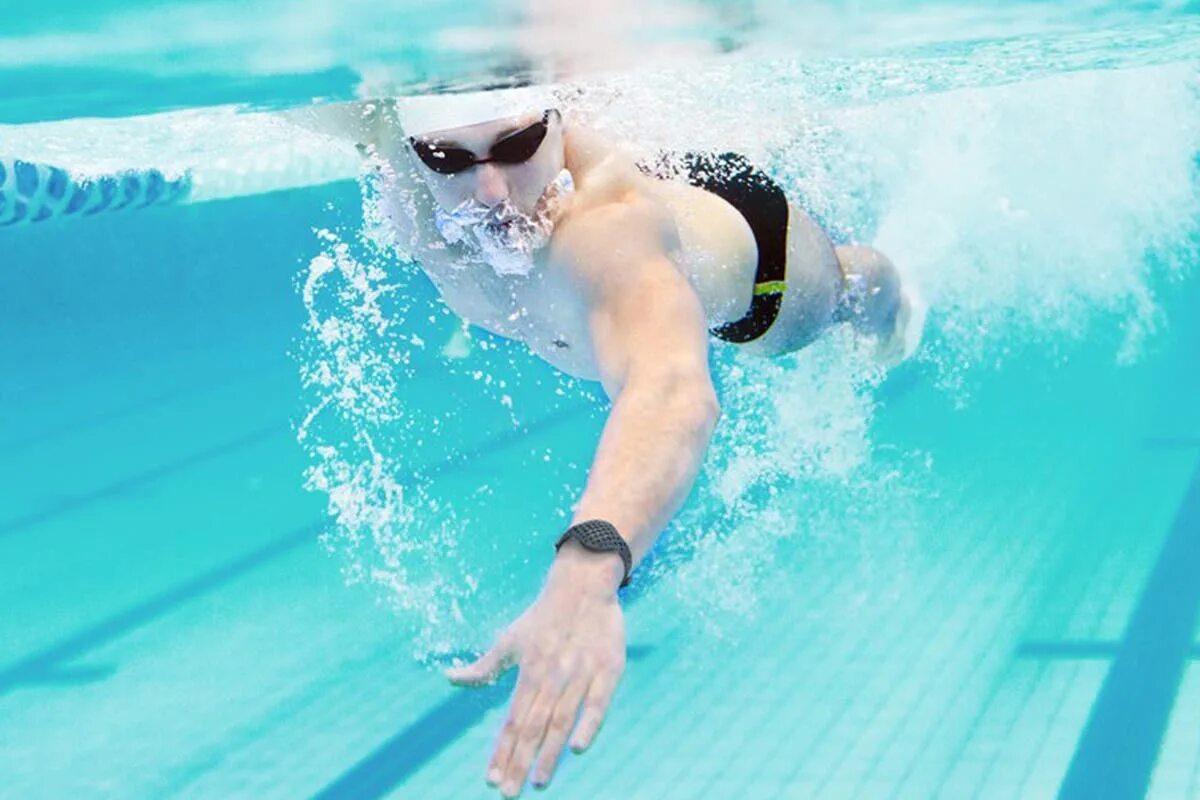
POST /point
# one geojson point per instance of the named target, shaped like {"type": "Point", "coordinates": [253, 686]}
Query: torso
{"type": "Point", "coordinates": [717, 253]}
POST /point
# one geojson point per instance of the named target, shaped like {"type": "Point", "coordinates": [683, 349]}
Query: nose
{"type": "Point", "coordinates": [492, 187]}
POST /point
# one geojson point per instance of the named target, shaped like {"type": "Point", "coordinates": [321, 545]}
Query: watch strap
{"type": "Point", "coordinates": [600, 536]}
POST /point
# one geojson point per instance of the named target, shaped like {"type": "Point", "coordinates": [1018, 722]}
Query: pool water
{"type": "Point", "coordinates": [976, 576]}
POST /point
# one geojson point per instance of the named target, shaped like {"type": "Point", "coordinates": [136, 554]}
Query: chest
{"type": "Point", "coordinates": [543, 309]}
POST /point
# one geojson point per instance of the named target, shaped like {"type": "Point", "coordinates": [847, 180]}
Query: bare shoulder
{"type": "Point", "coordinates": [615, 223]}
{"type": "Point", "coordinates": [614, 240]}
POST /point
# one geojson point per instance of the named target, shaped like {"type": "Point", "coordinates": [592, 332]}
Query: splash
{"type": "Point", "coordinates": [392, 420]}
{"type": "Point", "coordinates": [793, 468]}
{"type": "Point", "coordinates": [1029, 214]}
{"type": "Point", "coordinates": [354, 357]}
{"type": "Point", "coordinates": [1034, 213]}
{"type": "Point", "coordinates": [1033, 208]}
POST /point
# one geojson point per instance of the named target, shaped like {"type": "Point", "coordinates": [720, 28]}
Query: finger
{"type": "Point", "coordinates": [562, 720]}
{"type": "Point", "coordinates": [485, 669]}
{"type": "Point", "coordinates": [595, 707]}
{"type": "Point", "coordinates": [530, 733]}
{"type": "Point", "coordinates": [523, 698]}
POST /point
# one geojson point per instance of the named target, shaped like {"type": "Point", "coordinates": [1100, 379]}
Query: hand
{"type": "Point", "coordinates": [570, 648]}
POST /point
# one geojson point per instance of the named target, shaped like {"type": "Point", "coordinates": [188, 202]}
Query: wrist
{"type": "Point", "coordinates": [575, 565]}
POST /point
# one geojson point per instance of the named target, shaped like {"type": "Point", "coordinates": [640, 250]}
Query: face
{"type": "Point", "coordinates": [500, 212]}
{"type": "Point", "coordinates": [515, 188]}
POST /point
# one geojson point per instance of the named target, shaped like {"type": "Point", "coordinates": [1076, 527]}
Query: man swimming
{"type": "Point", "coordinates": [543, 231]}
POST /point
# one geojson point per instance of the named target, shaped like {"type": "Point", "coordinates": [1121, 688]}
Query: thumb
{"type": "Point", "coordinates": [486, 668]}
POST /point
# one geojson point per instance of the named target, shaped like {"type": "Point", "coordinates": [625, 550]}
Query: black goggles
{"type": "Point", "coordinates": [515, 148]}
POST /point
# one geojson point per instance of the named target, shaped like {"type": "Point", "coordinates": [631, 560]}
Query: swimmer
{"type": "Point", "coordinates": [544, 231]}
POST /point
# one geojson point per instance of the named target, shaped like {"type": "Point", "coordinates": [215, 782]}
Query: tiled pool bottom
{"type": "Point", "coordinates": [172, 629]}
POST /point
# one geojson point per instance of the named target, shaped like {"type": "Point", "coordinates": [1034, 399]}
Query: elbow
{"type": "Point", "coordinates": [709, 408]}
{"type": "Point", "coordinates": [693, 402]}
{"type": "Point", "coordinates": [678, 391]}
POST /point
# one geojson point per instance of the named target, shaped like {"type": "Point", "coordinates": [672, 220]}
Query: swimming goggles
{"type": "Point", "coordinates": [515, 148]}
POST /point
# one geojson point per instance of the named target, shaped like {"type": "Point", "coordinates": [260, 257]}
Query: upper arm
{"type": "Point", "coordinates": [645, 318]}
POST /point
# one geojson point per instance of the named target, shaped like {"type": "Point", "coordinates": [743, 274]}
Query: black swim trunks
{"type": "Point", "coordinates": [759, 199]}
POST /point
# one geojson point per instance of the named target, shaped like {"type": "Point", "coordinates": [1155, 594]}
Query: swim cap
{"type": "Point", "coordinates": [422, 114]}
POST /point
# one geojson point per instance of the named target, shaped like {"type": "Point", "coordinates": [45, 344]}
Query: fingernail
{"type": "Point", "coordinates": [493, 775]}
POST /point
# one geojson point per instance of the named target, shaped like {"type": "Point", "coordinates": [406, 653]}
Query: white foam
{"type": "Point", "coordinates": [1026, 212]}
{"type": "Point", "coordinates": [1024, 209]}
{"type": "Point", "coordinates": [227, 151]}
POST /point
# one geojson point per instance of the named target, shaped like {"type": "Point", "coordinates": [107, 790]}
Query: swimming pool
{"type": "Point", "coordinates": [974, 576]}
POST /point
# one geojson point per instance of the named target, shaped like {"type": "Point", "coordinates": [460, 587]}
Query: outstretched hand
{"type": "Point", "coordinates": [569, 647]}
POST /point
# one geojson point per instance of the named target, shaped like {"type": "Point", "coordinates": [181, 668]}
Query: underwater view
{"type": "Point", "coordinates": [681, 399]}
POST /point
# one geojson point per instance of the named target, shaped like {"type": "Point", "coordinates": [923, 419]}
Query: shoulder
{"type": "Point", "coordinates": [614, 240]}
{"type": "Point", "coordinates": [632, 214]}
{"type": "Point", "coordinates": [615, 219]}
{"type": "Point", "coordinates": [610, 187]}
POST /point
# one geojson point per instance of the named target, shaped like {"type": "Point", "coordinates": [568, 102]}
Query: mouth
{"type": "Point", "coordinates": [506, 225]}
{"type": "Point", "coordinates": [497, 227]}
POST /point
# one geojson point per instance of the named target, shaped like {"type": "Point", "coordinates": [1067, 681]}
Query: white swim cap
{"type": "Point", "coordinates": [422, 114]}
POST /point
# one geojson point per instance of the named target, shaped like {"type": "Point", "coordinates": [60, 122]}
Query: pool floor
{"type": "Point", "coordinates": [173, 629]}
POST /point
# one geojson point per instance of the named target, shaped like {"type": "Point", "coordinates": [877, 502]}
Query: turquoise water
{"type": "Point", "coordinates": [976, 576]}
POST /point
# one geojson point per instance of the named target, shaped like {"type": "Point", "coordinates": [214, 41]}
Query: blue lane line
{"type": "Point", "coordinates": [500, 441]}
{"type": "Point", "coordinates": [1077, 650]}
{"type": "Point", "coordinates": [1171, 442]}
{"type": "Point", "coordinates": [405, 753]}
{"type": "Point", "coordinates": [394, 761]}
{"type": "Point", "coordinates": [402, 755]}
{"type": "Point", "coordinates": [1119, 747]}
{"type": "Point", "coordinates": [11, 526]}
{"type": "Point", "coordinates": [47, 665]}
{"type": "Point", "coordinates": [191, 389]}
{"type": "Point", "coordinates": [1068, 650]}
{"type": "Point", "coordinates": [109, 491]}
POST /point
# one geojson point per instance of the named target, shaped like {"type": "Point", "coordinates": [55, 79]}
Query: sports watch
{"type": "Point", "coordinates": [600, 537]}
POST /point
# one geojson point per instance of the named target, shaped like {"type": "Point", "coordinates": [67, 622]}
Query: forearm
{"type": "Point", "coordinates": [650, 338]}
{"type": "Point", "coordinates": [649, 453]}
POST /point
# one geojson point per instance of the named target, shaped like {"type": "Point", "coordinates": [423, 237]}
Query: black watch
{"type": "Point", "coordinates": [600, 537]}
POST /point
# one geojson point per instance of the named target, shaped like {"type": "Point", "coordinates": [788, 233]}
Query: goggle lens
{"type": "Point", "coordinates": [516, 148]}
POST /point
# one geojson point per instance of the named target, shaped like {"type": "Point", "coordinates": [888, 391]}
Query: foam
{"type": "Point", "coordinates": [1019, 202]}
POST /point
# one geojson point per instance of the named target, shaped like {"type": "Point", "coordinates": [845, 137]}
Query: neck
{"type": "Point", "coordinates": [582, 150]}
{"type": "Point", "coordinates": [601, 171]}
